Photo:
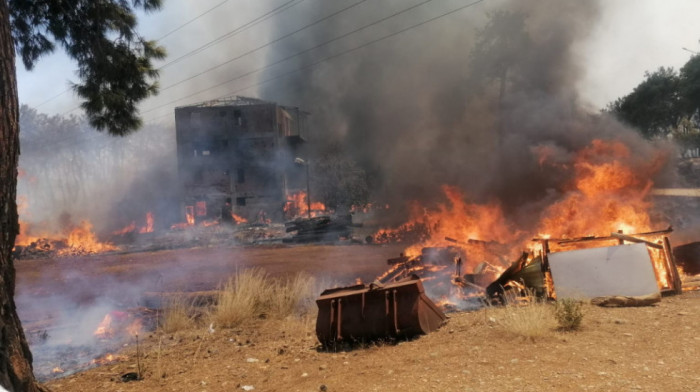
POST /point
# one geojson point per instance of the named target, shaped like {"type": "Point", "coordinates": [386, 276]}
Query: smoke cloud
{"type": "Point", "coordinates": [467, 99]}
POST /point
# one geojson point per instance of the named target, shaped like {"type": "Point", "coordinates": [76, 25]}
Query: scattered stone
{"type": "Point", "coordinates": [323, 388]}
{"type": "Point", "coordinates": [305, 374]}
{"type": "Point", "coordinates": [627, 334]}
{"type": "Point", "coordinates": [247, 387]}
{"type": "Point", "coordinates": [514, 360]}
{"type": "Point", "coordinates": [323, 367]}
{"type": "Point", "coordinates": [252, 360]}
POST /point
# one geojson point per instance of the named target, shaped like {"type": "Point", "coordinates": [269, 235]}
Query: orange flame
{"type": "Point", "coordinates": [297, 206]}
{"type": "Point", "coordinates": [238, 219]}
{"type": "Point", "coordinates": [149, 224]}
{"type": "Point", "coordinates": [109, 358]}
{"type": "Point", "coordinates": [127, 229]}
{"type": "Point", "coordinates": [189, 215]}
{"type": "Point", "coordinates": [83, 239]}
{"type": "Point", "coordinates": [607, 192]}
{"type": "Point", "coordinates": [118, 323]}
{"type": "Point", "coordinates": [606, 195]}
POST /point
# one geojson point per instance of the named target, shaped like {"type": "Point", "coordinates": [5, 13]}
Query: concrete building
{"type": "Point", "coordinates": [240, 150]}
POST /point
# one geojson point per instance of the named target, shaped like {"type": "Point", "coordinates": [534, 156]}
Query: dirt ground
{"type": "Point", "coordinates": [647, 349]}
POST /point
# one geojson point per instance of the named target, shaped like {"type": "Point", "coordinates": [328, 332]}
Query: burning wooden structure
{"type": "Point", "coordinates": [585, 267]}
{"type": "Point", "coordinates": [658, 248]}
{"type": "Point", "coordinates": [236, 156]}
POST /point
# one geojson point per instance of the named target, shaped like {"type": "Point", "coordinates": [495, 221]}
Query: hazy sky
{"type": "Point", "coordinates": [631, 37]}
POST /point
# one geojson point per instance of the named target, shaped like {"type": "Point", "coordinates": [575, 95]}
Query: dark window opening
{"type": "Point", "coordinates": [240, 201]}
{"type": "Point", "coordinates": [240, 175]}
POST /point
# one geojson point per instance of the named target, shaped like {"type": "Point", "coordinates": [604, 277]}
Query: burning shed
{"type": "Point", "coordinates": [235, 156]}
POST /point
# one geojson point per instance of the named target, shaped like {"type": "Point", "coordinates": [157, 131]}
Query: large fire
{"type": "Point", "coordinates": [75, 240]}
{"type": "Point", "coordinates": [607, 193]}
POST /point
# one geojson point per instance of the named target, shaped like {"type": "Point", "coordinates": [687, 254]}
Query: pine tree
{"type": "Point", "coordinates": [115, 71]}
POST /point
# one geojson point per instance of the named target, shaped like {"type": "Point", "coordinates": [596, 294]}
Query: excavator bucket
{"type": "Point", "coordinates": [370, 312]}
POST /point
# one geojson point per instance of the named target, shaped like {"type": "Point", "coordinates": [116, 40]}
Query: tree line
{"type": "Point", "coordinates": [665, 104]}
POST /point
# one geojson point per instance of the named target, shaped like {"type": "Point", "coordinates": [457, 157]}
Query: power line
{"type": "Point", "coordinates": [292, 33]}
{"type": "Point", "coordinates": [52, 98]}
{"type": "Point", "coordinates": [167, 34]}
{"type": "Point", "coordinates": [284, 59]}
{"type": "Point", "coordinates": [192, 20]}
{"type": "Point", "coordinates": [239, 29]}
{"type": "Point", "coordinates": [232, 93]}
{"type": "Point", "coordinates": [234, 32]}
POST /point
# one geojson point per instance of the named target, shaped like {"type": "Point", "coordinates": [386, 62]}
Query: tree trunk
{"type": "Point", "coordinates": [15, 357]}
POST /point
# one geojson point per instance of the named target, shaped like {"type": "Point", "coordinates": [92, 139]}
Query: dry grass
{"type": "Point", "coordinates": [253, 294]}
{"type": "Point", "coordinates": [526, 317]}
{"type": "Point", "coordinates": [292, 296]}
{"type": "Point", "coordinates": [177, 315]}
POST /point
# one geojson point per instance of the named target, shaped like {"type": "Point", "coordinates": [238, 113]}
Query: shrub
{"type": "Point", "coordinates": [568, 314]}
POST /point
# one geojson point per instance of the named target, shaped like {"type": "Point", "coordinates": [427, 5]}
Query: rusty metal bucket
{"type": "Point", "coordinates": [370, 312]}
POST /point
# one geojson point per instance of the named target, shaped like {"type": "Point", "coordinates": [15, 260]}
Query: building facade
{"type": "Point", "coordinates": [238, 155]}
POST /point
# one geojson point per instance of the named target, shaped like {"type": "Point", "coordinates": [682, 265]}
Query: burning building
{"type": "Point", "coordinates": [239, 151]}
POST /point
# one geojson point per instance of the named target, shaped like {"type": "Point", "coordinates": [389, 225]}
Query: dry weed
{"type": "Point", "coordinates": [177, 316]}
{"type": "Point", "coordinates": [292, 296]}
{"type": "Point", "coordinates": [527, 317]}
{"type": "Point", "coordinates": [242, 297]}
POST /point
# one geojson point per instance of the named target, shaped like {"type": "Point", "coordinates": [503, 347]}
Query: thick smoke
{"type": "Point", "coordinates": [465, 100]}
{"type": "Point", "coordinates": [69, 173]}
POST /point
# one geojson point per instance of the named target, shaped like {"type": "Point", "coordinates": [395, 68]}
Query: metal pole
{"type": "Point", "coordinates": [308, 193]}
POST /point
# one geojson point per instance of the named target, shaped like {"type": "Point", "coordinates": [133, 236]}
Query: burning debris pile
{"type": "Point", "coordinates": [606, 193]}
{"type": "Point", "coordinates": [319, 228]}
{"type": "Point", "coordinates": [76, 240]}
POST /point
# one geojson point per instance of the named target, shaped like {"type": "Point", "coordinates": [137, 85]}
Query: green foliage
{"type": "Point", "coordinates": [690, 85]}
{"type": "Point", "coordinates": [114, 62]}
{"type": "Point", "coordinates": [568, 313]}
{"type": "Point", "coordinates": [654, 107]}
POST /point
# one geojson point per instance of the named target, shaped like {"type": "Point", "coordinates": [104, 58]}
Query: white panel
{"type": "Point", "coordinates": [615, 270]}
